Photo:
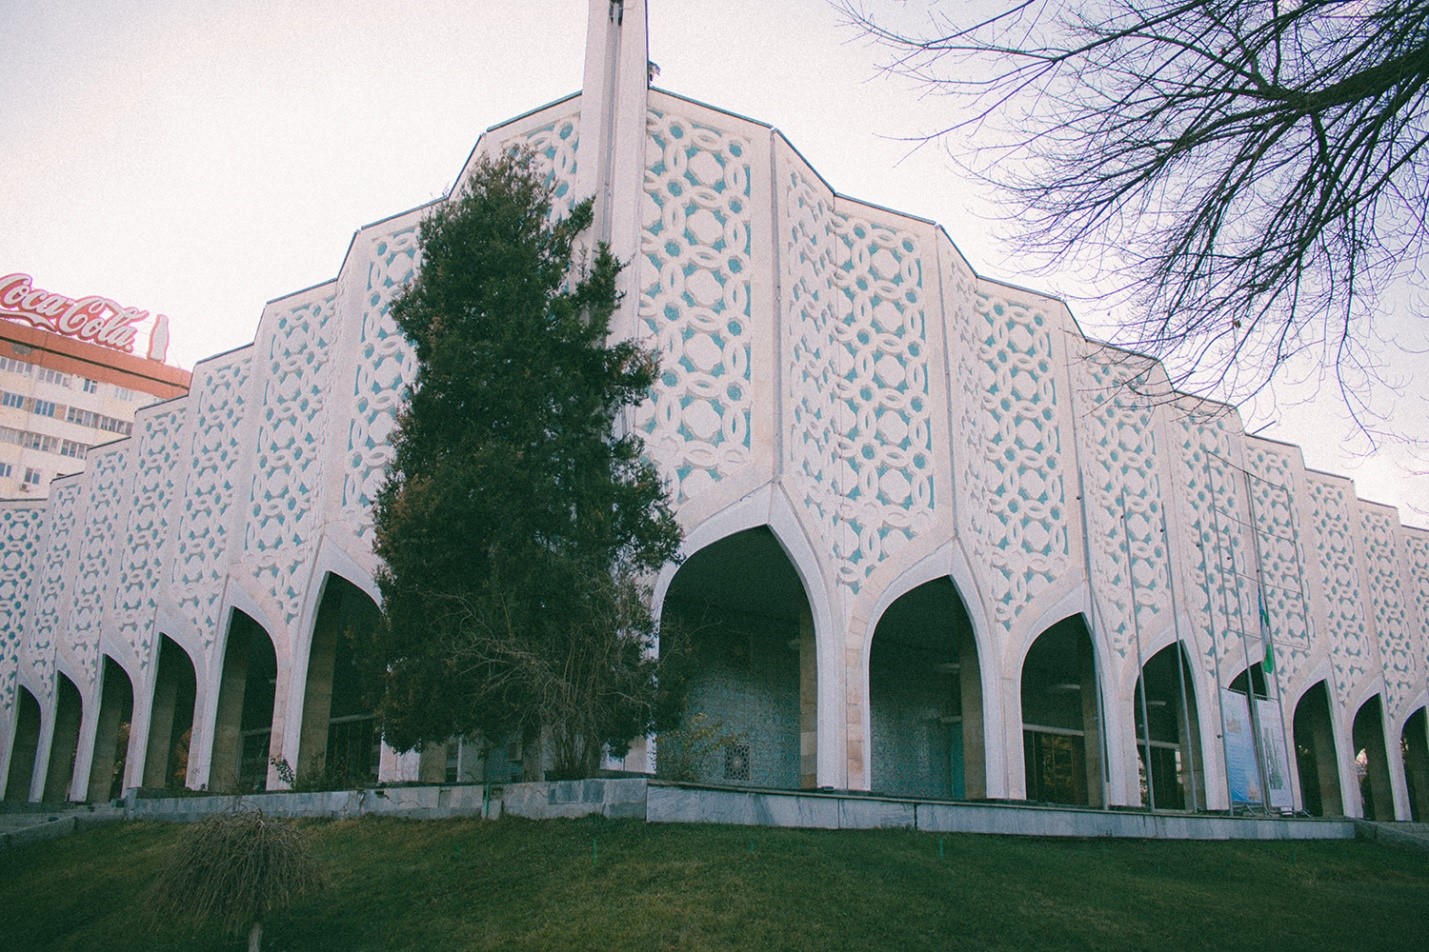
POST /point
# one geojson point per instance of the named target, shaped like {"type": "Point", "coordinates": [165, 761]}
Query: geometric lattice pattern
{"type": "Point", "coordinates": [1414, 549]}
{"type": "Point", "coordinates": [1125, 498]}
{"type": "Point", "coordinates": [554, 146]}
{"type": "Point", "coordinates": [386, 367]}
{"type": "Point", "coordinates": [52, 608]}
{"type": "Point", "coordinates": [216, 456]}
{"type": "Point", "coordinates": [20, 531]}
{"type": "Point", "coordinates": [695, 301]}
{"type": "Point", "coordinates": [147, 529]}
{"type": "Point", "coordinates": [860, 446]}
{"type": "Point", "coordinates": [1380, 560]}
{"type": "Point", "coordinates": [1282, 562]}
{"type": "Point", "coordinates": [108, 497]}
{"type": "Point", "coordinates": [281, 527]}
{"type": "Point", "coordinates": [1222, 598]}
{"type": "Point", "coordinates": [1331, 531]}
{"type": "Point", "coordinates": [1017, 482]}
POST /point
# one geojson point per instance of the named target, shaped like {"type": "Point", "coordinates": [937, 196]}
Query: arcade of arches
{"type": "Point", "coordinates": [739, 615]}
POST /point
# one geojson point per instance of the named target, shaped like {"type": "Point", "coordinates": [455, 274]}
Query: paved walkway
{"type": "Point", "coordinates": [31, 822]}
{"type": "Point", "coordinates": [1404, 834]}
{"type": "Point", "coordinates": [657, 802]}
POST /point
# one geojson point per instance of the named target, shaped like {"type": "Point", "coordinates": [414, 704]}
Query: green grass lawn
{"type": "Point", "coordinates": [594, 884]}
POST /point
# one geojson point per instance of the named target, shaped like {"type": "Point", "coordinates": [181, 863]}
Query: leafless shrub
{"type": "Point", "coordinates": [232, 870]}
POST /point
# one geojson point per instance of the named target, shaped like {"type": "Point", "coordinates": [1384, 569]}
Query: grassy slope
{"type": "Point", "coordinates": [520, 885]}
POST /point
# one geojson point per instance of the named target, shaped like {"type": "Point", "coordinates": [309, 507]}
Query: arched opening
{"type": "Point", "coordinates": [243, 729]}
{"type": "Point", "coordinates": [1315, 756]}
{"type": "Point", "coordinates": [23, 748]}
{"type": "Point", "coordinates": [1168, 732]}
{"type": "Point", "coordinates": [925, 698]}
{"type": "Point", "coordinates": [64, 745]}
{"type": "Point", "coordinates": [111, 735]}
{"type": "Point", "coordinates": [171, 718]}
{"type": "Point", "coordinates": [1061, 723]}
{"type": "Point", "coordinates": [339, 745]}
{"type": "Point", "coordinates": [1414, 747]}
{"type": "Point", "coordinates": [1373, 768]}
{"type": "Point", "coordinates": [737, 614]}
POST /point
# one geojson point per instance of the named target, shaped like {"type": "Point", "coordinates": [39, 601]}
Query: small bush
{"type": "Point", "coordinates": [684, 752]}
{"type": "Point", "coordinates": [232, 870]}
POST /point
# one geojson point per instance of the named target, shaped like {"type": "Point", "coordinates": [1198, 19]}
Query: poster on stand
{"type": "Point", "coordinates": [1272, 746]}
{"type": "Point", "coordinates": [1240, 749]}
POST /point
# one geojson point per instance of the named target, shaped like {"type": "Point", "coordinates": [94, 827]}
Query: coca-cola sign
{"type": "Point", "coordinates": [95, 319]}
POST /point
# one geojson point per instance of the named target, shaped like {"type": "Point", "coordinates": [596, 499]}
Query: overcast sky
{"type": "Point", "coordinates": [201, 158]}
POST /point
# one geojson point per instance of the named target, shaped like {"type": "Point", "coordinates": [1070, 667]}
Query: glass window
{"type": "Point", "coordinates": [9, 399]}
{"type": "Point", "coordinates": [45, 408]}
{"type": "Point", "coordinates": [32, 477]}
{"type": "Point", "coordinates": [5, 470]}
{"type": "Point", "coordinates": [46, 375]}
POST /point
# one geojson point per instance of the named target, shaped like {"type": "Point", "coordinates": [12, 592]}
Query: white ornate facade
{"type": "Point", "coordinates": [833, 373]}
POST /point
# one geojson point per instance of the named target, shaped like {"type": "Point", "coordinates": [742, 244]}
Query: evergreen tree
{"type": "Point", "coordinates": [519, 515]}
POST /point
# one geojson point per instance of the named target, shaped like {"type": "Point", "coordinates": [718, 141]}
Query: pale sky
{"type": "Point", "coordinates": [200, 158]}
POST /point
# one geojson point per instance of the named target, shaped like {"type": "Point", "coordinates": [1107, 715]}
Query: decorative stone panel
{"type": "Point", "coordinates": [1388, 602]}
{"type": "Point", "coordinates": [66, 507]}
{"type": "Point", "coordinates": [148, 524]}
{"type": "Point", "coordinates": [1280, 544]}
{"type": "Point", "coordinates": [1414, 562]}
{"type": "Point", "coordinates": [555, 147]}
{"type": "Point", "coordinates": [855, 347]}
{"type": "Point", "coordinates": [20, 546]}
{"type": "Point", "coordinates": [1222, 604]}
{"type": "Point", "coordinates": [219, 408]}
{"type": "Point", "coordinates": [385, 369]}
{"type": "Point", "coordinates": [1125, 503]}
{"type": "Point", "coordinates": [1332, 530]}
{"type": "Point", "coordinates": [1012, 467]}
{"type": "Point", "coordinates": [94, 594]}
{"type": "Point", "coordinates": [386, 365]}
{"type": "Point", "coordinates": [281, 527]}
{"type": "Point", "coordinates": [695, 301]}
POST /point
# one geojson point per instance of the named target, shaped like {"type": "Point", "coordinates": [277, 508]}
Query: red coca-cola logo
{"type": "Point", "coordinates": [95, 319]}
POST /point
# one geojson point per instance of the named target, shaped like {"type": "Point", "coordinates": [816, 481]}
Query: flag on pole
{"type": "Point", "coordinates": [1269, 663]}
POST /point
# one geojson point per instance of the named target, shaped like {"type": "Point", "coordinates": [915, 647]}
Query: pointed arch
{"type": "Point", "coordinates": [111, 732]}
{"type": "Point", "coordinates": [1317, 755]}
{"type": "Point", "coordinates": [1061, 719]}
{"type": "Point", "coordinates": [338, 743]}
{"type": "Point", "coordinates": [171, 717]}
{"type": "Point", "coordinates": [1376, 794]}
{"type": "Point", "coordinates": [1414, 746]}
{"type": "Point", "coordinates": [1168, 732]}
{"type": "Point", "coordinates": [24, 747]}
{"type": "Point", "coordinates": [739, 612]}
{"type": "Point", "coordinates": [242, 737]}
{"type": "Point", "coordinates": [924, 685]}
{"type": "Point", "coordinates": [64, 740]}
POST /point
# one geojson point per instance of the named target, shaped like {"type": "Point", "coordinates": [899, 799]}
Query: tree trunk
{"type": "Point", "coordinates": [531, 756]}
{"type": "Point", "coordinates": [255, 936]}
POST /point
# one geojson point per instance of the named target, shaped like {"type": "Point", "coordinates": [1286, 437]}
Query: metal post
{"type": "Point", "coordinates": [1140, 660]}
{"type": "Point", "coordinates": [1264, 619]}
{"type": "Point", "coordinates": [1096, 616]}
{"type": "Point", "coordinates": [1245, 647]}
{"type": "Point", "coordinates": [1215, 649]}
{"type": "Point", "coordinates": [1180, 659]}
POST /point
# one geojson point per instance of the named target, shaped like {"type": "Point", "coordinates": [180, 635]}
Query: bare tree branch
{"type": "Point", "coordinates": [1243, 179]}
